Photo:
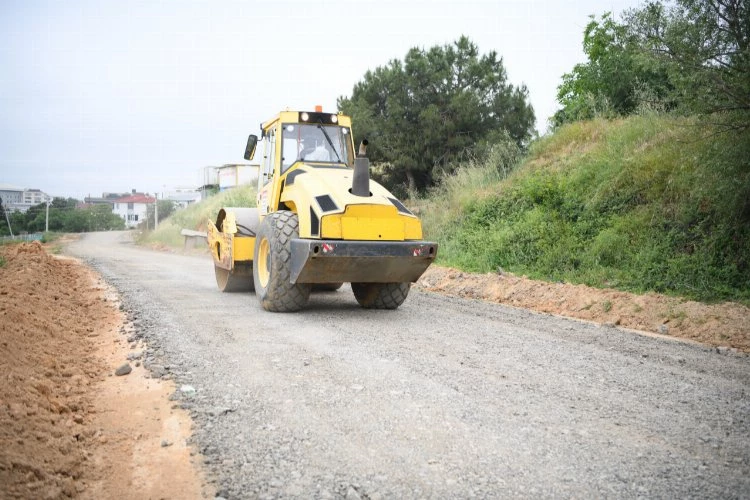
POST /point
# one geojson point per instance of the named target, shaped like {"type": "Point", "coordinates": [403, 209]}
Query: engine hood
{"type": "Point", "coordinates": [321, 197]}
{"type": "Point", "coordinates": [327, 189]}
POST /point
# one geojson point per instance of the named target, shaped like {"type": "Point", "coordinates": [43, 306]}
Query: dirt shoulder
{"type": "Point", "coordinates": [725, 326]}
{"type": "Point", "coordinates": [70, 428]}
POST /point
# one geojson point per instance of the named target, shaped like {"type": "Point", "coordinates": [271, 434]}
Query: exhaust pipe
{"type": "Point", "coordinates": [361, 178]}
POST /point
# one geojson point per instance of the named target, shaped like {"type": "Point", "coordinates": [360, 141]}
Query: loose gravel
{"type": "Point", "coordinates": [442, 398]}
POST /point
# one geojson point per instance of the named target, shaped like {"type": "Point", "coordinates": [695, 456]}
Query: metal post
{"type": "Point", "coordinates": [46, 220]}
{"type": "Point", "coordinates": [5, 209]}
{"type": "Point", "coordinates": [156, 213]}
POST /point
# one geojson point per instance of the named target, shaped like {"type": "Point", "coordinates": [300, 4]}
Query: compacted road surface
{"type": "Point", "coordinates": [442, 398]}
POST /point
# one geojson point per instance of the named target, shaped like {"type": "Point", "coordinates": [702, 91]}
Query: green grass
{"type": "Point", "coordinates": [50, 236]}
{"type": "Point", "coordinates": [2, 261]}
{"type": "Point", "coordinates": [196, 216]}
{"type": "Point", "coordinates": [648, 203]}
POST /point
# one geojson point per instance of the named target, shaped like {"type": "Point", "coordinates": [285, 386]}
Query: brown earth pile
{"type": "Point", "coordinates": [68, 427]}
{"type": "Point", "coordinates": [48, 316]}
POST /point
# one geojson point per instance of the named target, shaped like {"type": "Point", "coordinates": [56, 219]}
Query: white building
{"type": "Point", "coordinates": [15, 198]}
{"type": "Point", "coordinates": [133, 208]}
{"type": "Point", "coordinates": [182, 197]}
{"type": "Point", "coordinates": [233, 175]}
{"type": "Point", "coordinates": [35, 197]}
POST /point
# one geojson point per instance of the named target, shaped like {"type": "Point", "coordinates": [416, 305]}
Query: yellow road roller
{"type": "Point", "coordinates": [320, 221]}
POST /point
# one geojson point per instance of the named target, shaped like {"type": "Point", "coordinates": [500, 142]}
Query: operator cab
{"type": "Point", "coordinates": [315, 144]}
{"type": "Point", "coordinates": [316, 138]}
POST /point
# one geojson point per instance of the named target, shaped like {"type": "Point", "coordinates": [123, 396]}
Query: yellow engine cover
{"type": "Point", "coordinates": [371, 223]}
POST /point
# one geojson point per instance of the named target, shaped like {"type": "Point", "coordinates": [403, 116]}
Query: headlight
{"type": "Point", "coordinates": [304, 116]}
{"type": "Point", "coordinates": [334, 119]}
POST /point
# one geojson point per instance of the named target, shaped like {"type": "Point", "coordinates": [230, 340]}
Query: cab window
{"type": "Point", "coordinates": [315, 143]}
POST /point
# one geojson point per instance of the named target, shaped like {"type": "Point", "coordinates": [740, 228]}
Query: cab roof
{"type": "Point", "coordinates": [289, 116]}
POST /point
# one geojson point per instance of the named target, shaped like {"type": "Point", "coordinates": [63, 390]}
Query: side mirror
{"type": "Point", "coordinates": [252, 141]}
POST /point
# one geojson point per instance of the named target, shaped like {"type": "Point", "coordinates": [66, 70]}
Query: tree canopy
{"type": "Point", "coordinates": [438, 103]}
{"type": "Point", "coordinates": [63, 217]}
{"type": "Point", "coordinates": [692, 56]}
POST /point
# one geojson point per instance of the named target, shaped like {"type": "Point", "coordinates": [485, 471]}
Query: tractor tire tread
{"type": "Point", "coordinates": [380, 295]}
{"type": "Point", "coordinates": [280, 295]}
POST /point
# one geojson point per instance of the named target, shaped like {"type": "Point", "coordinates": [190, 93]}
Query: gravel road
{"type": "Point", "coordinates": [442, 398]}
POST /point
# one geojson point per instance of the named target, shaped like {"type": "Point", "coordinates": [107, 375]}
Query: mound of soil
{"type": "Point", "coordinates": [69, 428]}
{"type": "Point", "coordinates": [48, 314]}
{"type": "Point", "coordinates": [722, 325]}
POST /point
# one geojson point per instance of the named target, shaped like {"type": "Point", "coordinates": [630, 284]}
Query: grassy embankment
{"type": "Point", "coordinates": [648, 203]}
{"type": "Point", "coordinates": [195, 216]}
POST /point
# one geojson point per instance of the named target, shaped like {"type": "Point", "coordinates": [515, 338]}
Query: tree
{"type": "Point", "coordinates": [77, 221]}
{"type": "Point", "coordinates": [101, 218]}
{"type": "Point", "coordinates": [615, 80]}
{"type": "Point", "coordinates": [437, 104]}
{"type": "Point", "coordinates": [17, 222]}
{"type": "Point", "coordinates": [704, 46]}
{"type": "Point", "coordinates": [166, 208]}
{"type": "Point", "coordinates": [687, 55]}
{"type": "Point", "coordinates": [5, 218]}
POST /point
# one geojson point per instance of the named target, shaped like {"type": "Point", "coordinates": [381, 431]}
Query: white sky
{"type": "Point", "coordinates": [105, 95]}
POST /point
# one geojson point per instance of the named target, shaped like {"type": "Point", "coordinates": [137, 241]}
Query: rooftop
{"type": "Point", "coordinates": [137, 198]}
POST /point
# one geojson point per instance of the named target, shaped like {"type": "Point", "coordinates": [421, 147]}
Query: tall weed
{"type": "Point", "coordinates": [651, 202]}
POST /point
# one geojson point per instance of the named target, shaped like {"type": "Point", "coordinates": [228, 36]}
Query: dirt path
{"type": "Point", "coordinates": [68, 426]}
{"type": "Point", "coordinates": [725, 326]}
{"type": "Point", "coordinates": [444, 397]}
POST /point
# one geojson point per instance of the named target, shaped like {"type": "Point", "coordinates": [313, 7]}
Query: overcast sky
{"type": "Point", "coordinates": [111, 96]}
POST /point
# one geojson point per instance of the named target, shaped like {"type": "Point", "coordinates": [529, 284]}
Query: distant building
{"type": "Point", "coordinates": [182, 197]}
{"type": "Point", "coordinates": [15, 198]}
{"type": "Point", "coordinates": [183, 200]}
{"type": "Point", "coordinates": [10, 194]}
{"type": "Point", "coordinates": [234, 174]}
{"type": "Point", "coordinates": [133, 208]}
{"type": "Point", "coordinates": [35, 197]}
{"type": "Point", "coordinates": [209, 181]}
{"type": "Point", "coordinates": [106, 199]}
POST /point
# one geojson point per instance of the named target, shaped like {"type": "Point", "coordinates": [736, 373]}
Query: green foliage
{"type": "Point", "coordinates": [195, 216]}
{"type": "Point", "coordinates": [704, 47]}
{"type": "Point", "coordinates": [436, 105]}
{"type": "Point", "coordinates": [63, 217]}
{"type": "Point", "coordinates": [475, 176]}
{"type": "Point", "coordinates": [647, 203]}
{"type": "Point", "coordinates": [687, 55]}
{"type": "Point", "coordinates": [50, 237]}
{"type": "Point", "coordinates": [615, 81]}
{"type": "Point", "coordinates": [2, 261]}
{"type": "Point", "coordinates": [165, 209]}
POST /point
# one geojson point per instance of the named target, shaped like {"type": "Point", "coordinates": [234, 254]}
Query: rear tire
{"type": "Point", "coordinates": [238, 280]}
{"type": "Point", "coordinates": [272, 263]}
{"type": "Point", "coordinates": [380, 295]}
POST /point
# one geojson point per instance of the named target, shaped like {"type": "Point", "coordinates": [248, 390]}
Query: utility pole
{"type": "Point", "coordinates": [46, 220]}
{"type": "Point", "coordinates": [156, 212]}
{"type": "Point", "coordinates": [5, 211]}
